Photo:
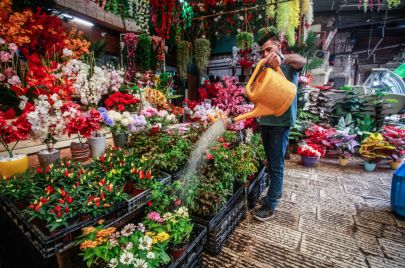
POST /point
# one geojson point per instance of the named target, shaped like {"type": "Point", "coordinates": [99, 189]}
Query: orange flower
{"type": "Point", "coordinates": [88, 230]}
{"type": "Point", "coordinates": [106, 232]}
{"type": "Point", "coordinates": [88, 244]}
{"type": "Point", "coordinates": [77, 44]}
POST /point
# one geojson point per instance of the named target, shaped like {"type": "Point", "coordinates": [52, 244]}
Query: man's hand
{"type": "Point", "coordinates": [273, 60]}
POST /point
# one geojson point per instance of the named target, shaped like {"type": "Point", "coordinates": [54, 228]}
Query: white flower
{"type": "Point", "coordinates": [23, 102]}
{"type": "Point", "coordinates": [67, 52]}
{"type": "Point", "coordinates": [2, 41]}
{"type": "Point", "coordinates": [241, 18]}
{"type": "Point", "coordinates": [139, 263]}
{"type": "Point", "coordinates": [113, 263]}
{"type": "Point", "coordinates": [150, 255]}
{"type": "Point", "coordinates": [117, 117]}
{"type": "Point", "coordinates": [126, 257]}
{"type": "Point", "coordinates": [182, 212]}
{"type": "Point", "coordinates": [125, 122]}
{"type": "Point", "coordinates": [145, 243]}
{"type": "Point", "coordinates": [128, 229]}
{"type": "Point", "coordinates": [167, 216]}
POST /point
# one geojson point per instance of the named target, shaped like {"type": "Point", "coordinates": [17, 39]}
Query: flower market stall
{"type": "Point", "coordinates": [115, 149]}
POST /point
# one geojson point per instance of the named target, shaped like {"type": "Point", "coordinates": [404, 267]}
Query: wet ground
{"type": "Point", "coordinates": [329, 216]}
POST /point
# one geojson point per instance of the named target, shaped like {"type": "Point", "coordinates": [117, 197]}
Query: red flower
{"type": "Point", "coordinates": [66, 173]}
{"type": "Point", "coordinates": [67, 210]}
{"type": "Point", "coordinates": [150, 203]}
{"type": "Point", "coordinates": [209, 156]}
{"type": "Point", "coordinates": [61, 201]}
{"type": "Point", "coordinates": [39, 170]}
{"type": "Point", "coordinates": [142, 174]}
{"type": "Point", "coordinates": [102, 196]}
{"type": "Point", "coordinates": [149, 174]}
{"type": "Point", "coordinates": [177, 202]}
{"type": "Point", "coordinates": [70, 200]}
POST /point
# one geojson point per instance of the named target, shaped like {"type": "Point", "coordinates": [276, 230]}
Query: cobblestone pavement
{"type": "Point", "coordinates": [329, 216]}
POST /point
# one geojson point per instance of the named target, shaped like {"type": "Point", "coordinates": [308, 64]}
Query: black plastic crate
{"type": "Point", "coordinates": [218, 235]}
{"type": "Point", "coordinates": [192, 256]}
{"type": "Point", "coordinates": [141, 199]}
{"type": "Point", "coordinates": [211, 222]}
{"type": "Point", "coordinates": [256, 187]}
{"type": "Point", "coordinates": [50, 244]}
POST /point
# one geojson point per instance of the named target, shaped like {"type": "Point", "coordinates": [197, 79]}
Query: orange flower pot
{"type": "Point", "coordinates": [11, 167]}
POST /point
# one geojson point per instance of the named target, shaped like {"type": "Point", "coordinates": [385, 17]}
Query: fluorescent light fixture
{"type": "Point", "coordinates": [78, 20]}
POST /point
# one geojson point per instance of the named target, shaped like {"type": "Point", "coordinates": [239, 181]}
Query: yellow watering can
{"type": "Point", "coordinates": [271, 93]}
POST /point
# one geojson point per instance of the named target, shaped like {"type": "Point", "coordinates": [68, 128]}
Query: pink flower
{"type": "Point", "coordinates": [2, 77]}
{"type": "Point", "coordinates": [9, 72]}
{"type": "Point", "coordinates": [13, 47]}
{"type": "Point", "coordinates": [155, 216]}
{"type": "Point", "coordinates": [5, 56]}
{"type": "Point", "coordinates": [2, 41]}
{"type": "Point", "coordinates": [14, 80]}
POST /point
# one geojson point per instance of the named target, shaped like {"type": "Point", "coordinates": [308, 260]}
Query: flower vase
{"type": "Point", "coordinates": [395, 164]}
{"type": "Point", "coordinates": [47, 157]}
{"type": "Point", "coordinates": [97, 146]}
{"type": "Point", "coordinates": [120, 139]}
{"type": "Point", "coordinates": [15, 165]}
{"type": "Point", "coordinates": [176, 253]}
{"type": "Point", "coordinates": [309, 161]}
{"type": "Point", "coordinates": [80, 151]}
{"type": "Point", "coordinates": [343, 161]}
{"type": "Point", "coordinates": [369, 166]}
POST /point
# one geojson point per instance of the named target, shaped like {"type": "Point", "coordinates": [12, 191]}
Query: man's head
{"type": "Point", "coordinates": [269, 43]}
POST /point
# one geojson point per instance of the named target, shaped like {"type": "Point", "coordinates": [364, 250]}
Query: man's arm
{"type": "Point", "coordinates": [295, 61]}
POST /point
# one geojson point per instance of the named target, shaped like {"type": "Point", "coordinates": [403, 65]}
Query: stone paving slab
{"type": "Point", "coordinates": [329, 216]}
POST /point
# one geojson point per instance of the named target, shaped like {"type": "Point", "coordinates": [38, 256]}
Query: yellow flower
{"type": "Point", "coordinates": [150, 234]}
{"type": "Point", "coordinates": [101, 221]}
{"type": "Point", "coordinates": [161, 237]}
{"type": "Point", "coordinates": [88, 230]}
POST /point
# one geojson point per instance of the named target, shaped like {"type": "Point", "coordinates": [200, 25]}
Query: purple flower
{"type": "Point", "coordinates": [141, 227]}
{"type": "Point", "coordinates": [155, 216]}
{"type": "Point", "coordinates": [107, 120]}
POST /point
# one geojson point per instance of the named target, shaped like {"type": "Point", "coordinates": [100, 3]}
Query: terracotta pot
{"type": "Point", "coordinates": [9, 167]}
{"type": "Point", "coordinates": [120, 139]}
{"type": "Point", "coordinates": [46, 158]}
{"type": "Point", "coordinates": [176, 253]}
{"type": "Point", "coordinates": [343, 161]}
{"type": "Point", "coordinates": [395, 164]}
{"type": "Point", "coordinates": [97, 146]}
{"type": "Point", "coordinates": [80, 151]}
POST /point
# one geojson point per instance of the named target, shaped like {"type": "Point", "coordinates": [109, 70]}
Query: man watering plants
{"type": "Point", "coordinates": [275, 129]}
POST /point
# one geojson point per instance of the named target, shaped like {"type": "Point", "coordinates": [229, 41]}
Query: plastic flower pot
{"type": "Point", "coordinates": [343, 161]}
{"type": "Point", "coordinates": [80, 151]}
{"type": "Point", "coordinates": [17, 164]}
{"type": "Point", "coordinates": [47, 157]}
{"type": "Point", "coordinates": [395, 164]}
{"type": "Point", "coordinates": [176, 253]}
{"type": "Point", "coordinates": [369, 166]}
{"type": "Point", "coordinates": [97, 146]}
{"type": "Point", "coordinates": [309, 161]}
{"type": "Point", "coordinates": [120, 139]}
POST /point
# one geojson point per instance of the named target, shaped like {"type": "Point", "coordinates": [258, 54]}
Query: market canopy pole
{"type": "Point", "coordinates": [239, 10]}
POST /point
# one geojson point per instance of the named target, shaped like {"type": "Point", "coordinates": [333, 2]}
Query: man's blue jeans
{"type": "Point", "coordinates": [275, 141]}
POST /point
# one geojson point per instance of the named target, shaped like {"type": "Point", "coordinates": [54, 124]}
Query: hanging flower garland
{"type": "Point", "coordinates": [130, 41]}
{"type": "Point", "coordinates": [202, 51]}
{"type": "Point", "coordinates": [159, 46]}
{"type": "Point", "coordinates": [142, 14]}
{"type": "Point", "coordinates": [162, 16]}
{"type": "Point", "coordinates": [183, 57]}
{"type": "Point", "coordinates": [288, 19]}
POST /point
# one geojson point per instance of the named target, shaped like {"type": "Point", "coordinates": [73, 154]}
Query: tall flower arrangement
{"type": "Point", "coordinates": [48, 119]}
{"type": "Point", "coordinates": [131, 41]}
{"type": "Point", "coordinates": [162, 16]}
{"type": "Point", "coordinates": [89, 80]}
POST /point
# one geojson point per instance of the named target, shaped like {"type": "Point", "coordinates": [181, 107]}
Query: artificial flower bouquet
{"type": "Point", "coordinates": [374, 148]}
{"type": "Point", "coordinates": [116, 121]}
{"type": "Point", "coordinates": [156, 117]}
{"type": "Point", "coordinates": [121, 102]}
{"type": "Point", "coordinates": [396, 137]}
{"type": "Point", "coordinates": [311, 150]}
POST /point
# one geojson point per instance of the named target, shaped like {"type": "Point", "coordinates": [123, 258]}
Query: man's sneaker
{"type": "Point", "coordinates": [264, 213]}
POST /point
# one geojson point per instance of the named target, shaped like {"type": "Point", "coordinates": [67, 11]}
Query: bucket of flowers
{"type": "Point", "coordinates": [310, 154]}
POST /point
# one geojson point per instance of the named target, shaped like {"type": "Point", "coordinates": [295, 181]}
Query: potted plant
{"type": "Point", "coordinates": [12, 131]}
{"type": "Point", "coordinates": [119, 124]}
{"type": "Point", "coordinates": [345, 145]}
{"type": "Point", "coordinates": [180, 226]}
{"type": "Point", "coordinates": [373, 149]}
{"type": "Point", "coordinates": [47, 122]}
{"type": "Point", "coordinates": [310, 154]}
{"type": "Point", "coordinates": [83, 124]}
{"type": "Point", "coordinates": [396, 137]}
